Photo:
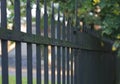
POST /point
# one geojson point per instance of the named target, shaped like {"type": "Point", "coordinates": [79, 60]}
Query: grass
{"type": "Point", "coordinates": [12, 80]}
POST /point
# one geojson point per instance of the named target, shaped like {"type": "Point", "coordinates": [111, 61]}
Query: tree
{"type": "Point", "coordinates": [110, 15]}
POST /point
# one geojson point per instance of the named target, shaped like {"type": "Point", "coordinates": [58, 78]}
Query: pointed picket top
{"type": "Point", "coordinates": [3, 14]}
{"type": "Point", "coordinates": [38, 10]}
{"type": "Point", "coordinates": [52, 10]}
{"type": "Point", "coordinates": [53, 13]}
{"type": "Point", "coordinates": [64, 18]}
{"type": "Point", "coordinates": [28, 4]}
{"type": "Point", "coordinates": [68, 22]}
{"type": "Point", "coordinates": [38, 5]}
{"type": "Point", "coordinates": [52, 23]}
{"type": "Point", "coordinates": [45, 19]}
{"type": "Point", "coordinates": [38, 1]}
{"type": "Point", "coordinates": [58, 24]}
{"type": "Point", "coordinates": [38, 14]}
{"type": "Point", "coordinates": [63, 21]}
{"type": "Point", "coordinates": [58, 13]}
{"type": "Point", "coordinates": [29, 17]}
{"type": "Point", "coordinates": [17, 15]}
{"type": "Point", "coordinates": [45, 7]}
{"type": "Point", "coordinates": [63, 28]}
{"type": "Point", "coordinates": [68, 27]}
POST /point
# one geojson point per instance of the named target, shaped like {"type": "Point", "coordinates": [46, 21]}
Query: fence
{"type": "Point", "coordinates": [79, 55]}
{"type": "Point", "coordinates": [96, 63]}
{"type": "Point", "coordinates": [63, 42]}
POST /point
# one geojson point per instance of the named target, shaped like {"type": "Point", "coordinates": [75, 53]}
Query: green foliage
{"type": "Point", "coordinates": [110, 15]}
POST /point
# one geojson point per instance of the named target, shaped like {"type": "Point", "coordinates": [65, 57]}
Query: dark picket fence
{"type": "Point", "coordinates": [79, 55]}
{"type": "Point", "coordinates": [64, 43]}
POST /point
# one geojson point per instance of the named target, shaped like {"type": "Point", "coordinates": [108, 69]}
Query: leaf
{"type": "Point", "coordinates": [107, 31]}
{"type": "Point", "coordinates": [116, 45]}
{"type": "Point", "coordinates": [102, 4]}
{"type": "Point", "coordinates": [96, 2]}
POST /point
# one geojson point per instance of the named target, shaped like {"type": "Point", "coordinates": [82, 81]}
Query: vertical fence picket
{"type": "Point", "coordinates": [45, 46]}
{"type": "Point", "coordinates": [4, 43]}
{"type": "Point", "coordinates": [70, 35]}
{"type": "Point", "coordinates": [17, 26]}
{"type": "Point", "coordinates": [75, 66]}
{"type": "Point", "coordinates": [68, 53]}
{"type": "Point", "coordinates": [38, 47]}
{"type": "Point", "coordinates": [72, 66]}
{"type": "Point", "coordinates": [63, 51]}
{"type": "Point", "coordinates": [58, 50]}
{"type": "Point", "coordinates": [53, 47]}
{"type": "Point", "coordinates": [67, 65]}
{"type": "Point", "coordinates": [72, 55]}
{"type": "Point", "coordinates": [29, 45]}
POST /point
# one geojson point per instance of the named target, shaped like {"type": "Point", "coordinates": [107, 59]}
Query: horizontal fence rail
{"type": "Point", "coordinates": [36, 39]}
